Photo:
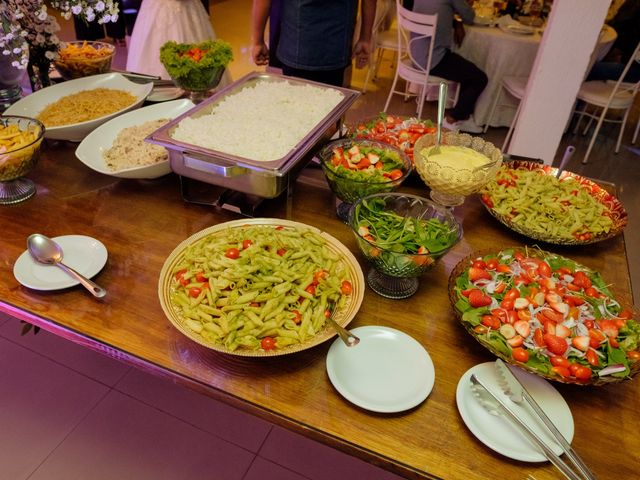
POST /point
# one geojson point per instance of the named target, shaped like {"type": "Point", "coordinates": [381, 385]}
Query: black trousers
{"type": "Point", "coordinates": [472, 82]}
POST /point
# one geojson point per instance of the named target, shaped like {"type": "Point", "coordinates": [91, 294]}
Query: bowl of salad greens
{"type": "Point", "coordinates": [196, 67]}
{"type": "Point", "coordinates": [402, 236]}
{"type": "Point", "coordinates": [355, 168]}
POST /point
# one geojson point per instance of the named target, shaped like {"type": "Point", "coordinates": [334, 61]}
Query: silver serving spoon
{"type": "Point", "coordinates": [565, 159]}
{"type": "Point", "coordinates": [442, 101]}
{"type": "Point", "coordinates": [349, 339]}
{"type": "Point", "coordinates": [46, 251]}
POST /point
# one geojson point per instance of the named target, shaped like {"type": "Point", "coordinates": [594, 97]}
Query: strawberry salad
{"type": "Point", "coordinates": [549, 314]}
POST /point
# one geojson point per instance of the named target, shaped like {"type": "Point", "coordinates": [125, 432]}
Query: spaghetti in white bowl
{"type": "Point", "coordinates": [33, 105]}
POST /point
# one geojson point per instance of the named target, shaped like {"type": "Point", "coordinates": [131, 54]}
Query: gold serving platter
{"type": "Point", "coordinates": [613, 207]}
{"type": "Point", "coordinates": [342, 315]}
{"type": "Point", "coordinates": [455, 292]}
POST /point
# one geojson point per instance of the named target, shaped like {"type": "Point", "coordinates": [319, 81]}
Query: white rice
{"type": "Point", "coordinates": [130, 150]}
{"type": "Point", "coordinates": [263, 122]}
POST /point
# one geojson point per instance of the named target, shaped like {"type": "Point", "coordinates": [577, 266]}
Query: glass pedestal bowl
{"type": "Point", "coordinates": [83, 58]}
{"type": "Point", "coordinates": [455, 172]}
{"type": "Point", "coordinates": [199, 84]}
{"type": "Point", "coordinates": [20, 140]}
{"type": "Point", "coordinates": [402, 236]}
{"type": "Point", "coordinates": [351, 185]}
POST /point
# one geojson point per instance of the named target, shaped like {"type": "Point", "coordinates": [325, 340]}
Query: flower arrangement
{"type": "Point", "coordinates": [28, 31]}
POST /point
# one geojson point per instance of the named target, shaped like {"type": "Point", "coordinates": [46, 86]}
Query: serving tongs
{"type": "Point", "coordinates": [496, 406]}
{"type": "Point", "coordinates": [517, 392]}
{"type": "Point", "coordinates": [144, 78]}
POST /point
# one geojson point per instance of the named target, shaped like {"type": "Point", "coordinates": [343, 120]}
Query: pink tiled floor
{"type": "Point", "coordinates": [67, 413]}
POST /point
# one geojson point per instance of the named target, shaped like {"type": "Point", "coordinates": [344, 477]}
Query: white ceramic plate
{"type": "Point", "coordinates": [32, 105]}
{"type": "Point", "coordinates": [91, 149]}
{"type": "Point", "coordinates": [388, 371]}
{"type": "Point", "coordinates": [500, 434]}
{"type": "Point", "coordinates": [84, 254]}
{"type": "Point", "coordinates": [163, 94]}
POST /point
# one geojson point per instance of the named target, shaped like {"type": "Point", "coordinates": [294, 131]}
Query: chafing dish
{"type": "Point", "coordinates": [265, 179]}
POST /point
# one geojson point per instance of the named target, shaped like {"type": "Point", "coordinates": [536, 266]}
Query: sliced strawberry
{"type": "Point", "coordinates": [581, 342]}
{"type": "Point", "coordinates": [609, 328]}
{"type": "Point", "coordinates": [478, 299]}
{"type": "Point", "coordinates": [522, 327]}
{"type": "Point", "coordinates": [478, 274]}
{"type": "Point", "coordinates": [516, 341]}
{"type": "Point", "coordinates": [555, 345]}
{"type": "Point", "coordinates": [373, 158]}
{"type": "Point", "coordinates": [562, 331]}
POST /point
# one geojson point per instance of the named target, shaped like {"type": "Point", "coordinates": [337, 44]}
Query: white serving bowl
{"type": "Point", "coordinates": [32, 105]}
{"type": "Point", "coordinates": [91, 149]}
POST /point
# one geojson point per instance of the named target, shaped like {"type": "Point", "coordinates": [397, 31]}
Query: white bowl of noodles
{"type": "Point", "coordinates": [104, 97]}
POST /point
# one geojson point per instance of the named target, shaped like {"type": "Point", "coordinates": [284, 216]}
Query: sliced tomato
{"type": "Point", "coordinates": [346, 288]}
{"type": "Point", "coordinates": [592, 357]}
{"type": "Point", "coordinates": [268, 343]}
{"type": "Point", "coordinates": [519, 354]}
{"type": "Point", "coordinates": [232, 253]}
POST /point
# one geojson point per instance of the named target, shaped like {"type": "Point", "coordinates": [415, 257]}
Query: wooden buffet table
{"type": "Point", "coordinates": [141, 222]}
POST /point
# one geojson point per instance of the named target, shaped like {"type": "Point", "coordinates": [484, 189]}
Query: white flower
{"type": "Point", "coordinates": [16, 64]}
{"type": "Point", "coordinates": [42, 15]}
{"type": "Point", "coordinates": [76, 9]}
{"type": "Point", "coordinates": [17, 50]}
{"type": "Point", "coordinates": [6, 52]}
{"type": "Point", "coordinates": [50, 55]}
{"type": "Point", "coordinates": [9, 36]}
{"type": "Point", "coordinates": [100, 6]}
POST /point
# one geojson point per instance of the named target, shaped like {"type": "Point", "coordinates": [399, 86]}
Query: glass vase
{"type": "Point", "coordinates": [38, 70]}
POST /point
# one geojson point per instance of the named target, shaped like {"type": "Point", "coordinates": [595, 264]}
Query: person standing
{"type": "Point", "coordinates": [450, 65]}
{"type": "Point", "coordinates": [316, 37]}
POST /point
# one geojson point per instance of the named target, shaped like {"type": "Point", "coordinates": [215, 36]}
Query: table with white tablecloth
{"type": "Point", "coordinates": [499, 53]}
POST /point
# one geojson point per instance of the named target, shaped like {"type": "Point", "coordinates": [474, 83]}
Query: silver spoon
{"type": "Point", "coordinates": [46, 251]}
{"type": "Point", "coordinates": [565, 159]}
{"type": "Point", "coordinates": [349, 339]}
{"type": "Point", "coordinates": [442, 101]}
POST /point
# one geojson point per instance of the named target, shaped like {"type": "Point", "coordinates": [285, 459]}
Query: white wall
{"type": "Point", "coordinates": [560, 67]}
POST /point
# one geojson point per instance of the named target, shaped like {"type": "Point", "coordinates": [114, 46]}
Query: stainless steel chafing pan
{"type": "Point", "coordinates": [265, 179]}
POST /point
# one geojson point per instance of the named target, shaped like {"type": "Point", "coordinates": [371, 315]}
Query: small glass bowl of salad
{"type": "Point", "coordinates": [402, 236]}
{"type": "Point", "coordinates": [355, 168]}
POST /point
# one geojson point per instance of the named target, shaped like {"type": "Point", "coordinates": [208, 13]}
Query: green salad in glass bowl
{"type": "Point", "coordinates": [196, 67]}
{"type": "Point", "coordinates": [402, 236]}
{"type": "Point", "coordinates": [355, 168]}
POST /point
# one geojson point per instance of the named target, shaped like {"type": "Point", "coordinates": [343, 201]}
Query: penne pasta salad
{"type": "Point", "coordinates": [258, 287]}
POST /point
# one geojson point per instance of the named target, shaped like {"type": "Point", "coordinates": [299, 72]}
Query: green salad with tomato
{"type": "Point", "coordinates": [196, 66]}
{"type": "Point", "coordinates": [402, 245]}
{"type": "Point", "coordinates": [549, 314]}
{"type": "Point", "coordinates": [355, 169]}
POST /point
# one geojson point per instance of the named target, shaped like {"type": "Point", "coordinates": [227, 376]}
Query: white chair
{"type": "Point", "coordinates": [416, 27]}
{"type": "Point", "coordinates": [605, 96]}
{"type": "Point", "coordinates": [514, 86]}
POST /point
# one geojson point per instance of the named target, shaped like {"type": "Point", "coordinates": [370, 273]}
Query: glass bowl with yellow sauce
{"type": "Point", "coordinates": [460, 166]}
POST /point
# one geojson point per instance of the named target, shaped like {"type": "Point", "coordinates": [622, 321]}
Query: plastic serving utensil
{"type": "Point", "coordinates": [495, 406]}
{"type": "Point", "coordinates": [568, 153]}
{"type": "Point", "coordinates": [46, 251]}
{"type": "Point", "coordinates": [442, 100]}
{"type": "Point", "coordinates": [517, 392]}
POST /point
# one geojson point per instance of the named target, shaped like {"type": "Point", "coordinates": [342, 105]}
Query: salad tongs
{"type": "Point", "coordinates": [517, 392]}
{"type": "Point", "coordinates": [496, 406]}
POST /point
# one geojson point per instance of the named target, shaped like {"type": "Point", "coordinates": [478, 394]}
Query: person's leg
{"type": "Point", "coordinates": [472, 82]}
{"type": "Point", "coordinates": [330, 77]}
